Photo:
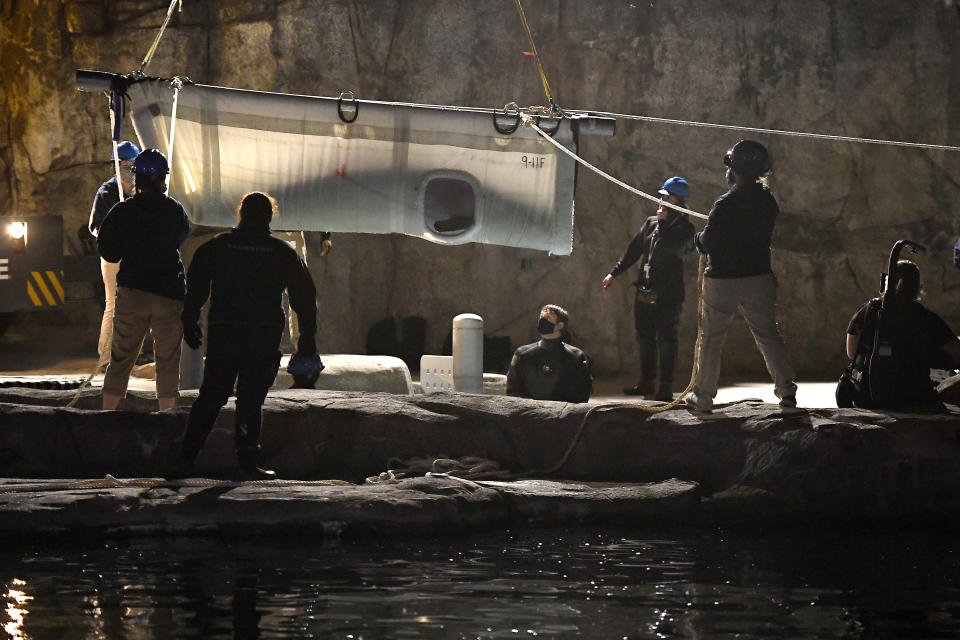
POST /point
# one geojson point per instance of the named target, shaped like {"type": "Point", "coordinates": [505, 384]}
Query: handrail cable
{"type": "Point", "coordinates": [529, 122]}
{"type": "Point", "coordinates": [778, 132]}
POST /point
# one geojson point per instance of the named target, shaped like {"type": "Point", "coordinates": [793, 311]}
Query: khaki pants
{"type": "Point", "coordinates": [755, 296]}
{"type": "Point", "coordinates": [109, 271]}
{"type": "Point", "coordinates": [136, 313]}
{"type": "Point", "coordinates": [291, 333]}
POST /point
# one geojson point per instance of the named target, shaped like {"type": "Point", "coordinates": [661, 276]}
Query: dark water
{"type": "Point", "coordinates": [549, 583]}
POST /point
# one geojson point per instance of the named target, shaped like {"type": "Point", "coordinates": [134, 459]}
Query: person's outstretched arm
{"type": "Point", "coordinates": [303, 301]}
{"type": "Point", "coordinates": [198, 286]}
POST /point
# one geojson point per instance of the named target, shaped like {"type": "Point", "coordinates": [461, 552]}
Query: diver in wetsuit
{"type": "Point", "coordinates": [550, 369]}
{"type": "Point", "coordinates": [244, 273]}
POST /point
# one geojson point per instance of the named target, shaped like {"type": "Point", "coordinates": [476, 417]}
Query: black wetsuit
{"type": "Point", "coordinates": [550, 370]}
{"type": "Point", "coordinates": [244, 272]}
{"type": "Point", "coordinates": [663, 244]}
{"type": "Point", "coordinates": [918, 336]}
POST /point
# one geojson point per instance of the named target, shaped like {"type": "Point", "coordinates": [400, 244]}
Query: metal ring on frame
{"type": "Point", "coordinates": [356, 106]}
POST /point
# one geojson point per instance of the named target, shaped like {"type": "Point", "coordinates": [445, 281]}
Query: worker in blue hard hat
{"type": "Point", "coordinates": [144, 234]}
{"type": "Point", "coordinates": [738, 275]}
{"type": "Point", "coordinates": [244, 273]}
{"type": "Point", "coordinates": [108, 195]}
{"type": "Point", "coordinates": [659, 246]}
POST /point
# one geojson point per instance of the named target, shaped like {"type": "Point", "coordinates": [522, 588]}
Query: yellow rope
{"type": "Point", "coordinates": [110, 482]}
{"type": "Point", "coordinates": [480, 468]}
{"type": "Point", "coordinates": [156, 41]}
{"type": "Point", "coordinates": [536, 56]}
{"type": "Point", "coordinates": [634, 405]}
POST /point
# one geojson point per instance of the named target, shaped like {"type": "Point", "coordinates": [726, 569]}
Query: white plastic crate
{"type": "Point", "coordinates": [436, 374]}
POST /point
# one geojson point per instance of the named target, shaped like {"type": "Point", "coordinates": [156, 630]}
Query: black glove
{"type": "Point", "coordinates": [193, 335]}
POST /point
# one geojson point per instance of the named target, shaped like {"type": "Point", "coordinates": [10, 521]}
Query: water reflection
{"type": "Point", "coordinates": [529, 583]}
{"type": "Point", "coordinates": [17, 600]}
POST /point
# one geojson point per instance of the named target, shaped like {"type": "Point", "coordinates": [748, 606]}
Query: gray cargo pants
{"type": "Point", "coordinates": [755, 296]}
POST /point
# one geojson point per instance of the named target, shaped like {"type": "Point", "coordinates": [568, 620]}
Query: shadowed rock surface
{"type": "Point", "coordinates": [747, 460]}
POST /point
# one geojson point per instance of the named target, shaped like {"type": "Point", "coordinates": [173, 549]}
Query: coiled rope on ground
{"type": "Point", "coordinates": [110, 482]}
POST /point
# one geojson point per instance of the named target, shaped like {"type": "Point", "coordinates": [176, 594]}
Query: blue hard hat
{"type": "Point", "coordinates": [677, 187]}
{"type": "Point", "coordinates": [150, 162]}
{"type": "Point", "coordinates": [748, 157]}
{"type": "Point", "coordinates": [304, 366]}
{"type": "Point", "coordinates": [126, 151]}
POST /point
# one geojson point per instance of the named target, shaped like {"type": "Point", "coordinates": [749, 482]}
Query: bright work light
{"type": "Point", "coordinates": [17, 230]}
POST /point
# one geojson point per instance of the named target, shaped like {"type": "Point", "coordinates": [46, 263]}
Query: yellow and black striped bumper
{"type": "Point", "coordinates": [44, 288]}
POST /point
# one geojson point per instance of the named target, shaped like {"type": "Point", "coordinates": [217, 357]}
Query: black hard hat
{"type": "Point", "coordinates": [748, 157]}
{"type": "Point", "coordinates": [151, 162]}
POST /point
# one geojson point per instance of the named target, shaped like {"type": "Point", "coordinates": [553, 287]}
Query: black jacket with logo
{"type": "Point", "coordinates": [144, 234]}
{"type": "Point", "coordinates": [244, 273]}
{"type": "Point", "coordinates": [550, 370]}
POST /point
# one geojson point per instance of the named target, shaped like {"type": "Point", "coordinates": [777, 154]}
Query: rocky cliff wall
{"type": "Point", "coordinates": [883, 68]}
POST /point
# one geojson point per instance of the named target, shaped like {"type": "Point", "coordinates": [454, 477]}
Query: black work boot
{"type": "Point", "coordinates": [182, 466]}
{"type": "Point", "coordinates": [642, 388]}
{"type": "Point", "coordinates": [247, 468]}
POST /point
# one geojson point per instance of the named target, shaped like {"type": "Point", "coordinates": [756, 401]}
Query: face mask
{"type": "Point", "coordinates": [126, 174]}
{"type": "Point", "coordinates": [730, 181]}
{"type": "Point", "coordinates": [545, 327]}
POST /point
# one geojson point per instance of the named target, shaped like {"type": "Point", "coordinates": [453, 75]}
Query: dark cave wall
{"type": "Point", "coordinates": [881, 69]}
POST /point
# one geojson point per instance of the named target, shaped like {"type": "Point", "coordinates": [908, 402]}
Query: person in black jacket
{"type": "Point", "coordinates": [244, 272]}
{"type": "Point", "coordinates": [736, 241]}
{"type": "Point", "coordinates": [144, 234]}
{"type": "Point", "coordinates": [920, 341]}
{"type": "Point", "coordinates": [660, 245]}
{"type": "Point", "coordinates": [550, 369]}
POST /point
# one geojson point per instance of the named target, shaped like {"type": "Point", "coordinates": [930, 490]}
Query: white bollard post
{"type": "Point", "coordinates": [468, 353]}
{"type": "Point", "coordinates": [191, 365]}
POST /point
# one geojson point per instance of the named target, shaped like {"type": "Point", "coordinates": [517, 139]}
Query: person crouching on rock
{"type": "Point", "coordinates": [244, 272]}
{"type": "Point", "coordinates": [550, 369]}
{"type": "Point", "coordinates": [920, 341]}
{"type": "Point", "coordinates": [144, 234]}
{"type": "Point", "coordinates": [660, 245]}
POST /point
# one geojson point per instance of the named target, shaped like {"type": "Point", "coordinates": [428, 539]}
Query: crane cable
{"type": "Point", "coordinates": [156, 41]}
{"type": "Point", "coordinates": [554, 108]}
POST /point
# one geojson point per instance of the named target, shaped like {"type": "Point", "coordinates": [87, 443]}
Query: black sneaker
{"type": "Point", "coordinates": [640, 389]}
{"type": "Point", "coordinates": [182, 467]}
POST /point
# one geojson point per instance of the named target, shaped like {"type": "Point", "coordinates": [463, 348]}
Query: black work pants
{"type": "Point", "coordinates": [656, 324]}
{"type": "Point", "coordinates": [245, 355]}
